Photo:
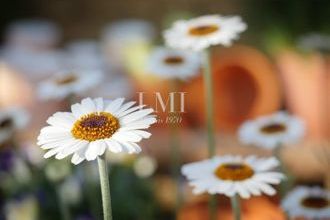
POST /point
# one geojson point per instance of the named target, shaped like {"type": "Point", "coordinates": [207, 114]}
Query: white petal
{"type": "Point", "coordinates": [76, 110]}
{"type": "Point", "coordinates": [124, 136]}
{"type": "Point", "coordinates": [92, 150]}
{"type": "Point", "coordinates": [136, 115]}
{"type": "Point", "coordinates": [114, 146]}
{"type": "Point", "coordinates": [61, 119]}
{"type": "Point", "coordinates": [123, 113]}
{"type": "Point", "coordinates": [79, 156]}
{"type": "Point", "coordinates": [141, 133]}
{"type": "Point", "coordinates": [114, 105]}
{"type": "Point", "coordinates": [124, 107]}
{"type": "Point", "coordinates": [88, 105]}
{"type": "Point", "coordinates": [99, 104]}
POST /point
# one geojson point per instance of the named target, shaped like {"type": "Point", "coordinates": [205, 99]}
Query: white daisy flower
{"type": "Point", "coordinates": [11, 120]}
{"type": "Point", "coordinates": [171, 63]}
{"type": "Point", "coordinates": [64, 84]}
{"type": "Point", "coordinates": [33, 34]}
{"type": "Point", "coordinates": [202, 32]}
{"type": "Point", "coordinates": [308, 202]}
{"type": "Point", "coordinates": [272, 130]}
{"type": "Point", "coordinates": [231, 175]}
{"type": "Point", "coordinates": [314, 41]}
{"type": "Point", "coordinates": [93, 126]}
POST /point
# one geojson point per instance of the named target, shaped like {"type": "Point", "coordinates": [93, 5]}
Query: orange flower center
{"type": "Point", "coordinates": [203, 30]}
{"type": "Point", "coordinates": [95, 126]}
{"type": "Point", "coordinates": [66, 79]}
{"type": "Point", "coordinates": [234, 171]}
{"type": "Point", "coordinates": [315, 202]}
{"type": "Point", "coordinates": [173, 60]}
{"type": "Point", "coordinates": [273, 128]}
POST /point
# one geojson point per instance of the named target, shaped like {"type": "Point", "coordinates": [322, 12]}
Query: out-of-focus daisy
{"type": "Point", "coordinates": [11, 120]}
{"type": "Point", "coordinates": [316, 42]}
{"type": "Point", "coordinates": [144, 166]}
{"type": "Point", "coordinates": [64, 84]}
{"type": "Point", "coordinates": [126, 43]}
{"type": "Point", "coordinates": [33, 34]}
{"type": "Point", "coordinates": [272, 130]}
{"type": "Point", "coordinates": [231, 175]}
{"type": "Point", "coordinates": [114, 86]}
{"type": "Point", "coordinates": [308, 202]}
{"type": "Point", "coordinates": [93, 126]}
{"type": "Point", "coordinates": [171, 63]}
{"type": "Point", "coordinates": [202, 32]}
{"type": "Point", "coordinates": [57, 171]}
{"type": "Point", "coordinates": [85, 54]}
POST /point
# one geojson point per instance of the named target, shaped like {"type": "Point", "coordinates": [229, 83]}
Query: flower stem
{"type": "Point", "coordinates": [175, 151]}
{"type": "Point", "coordinates": [285, 185]}
{"type": "Point", "coordinates": [208, 86]}
{"type": "Point", "coordinates": [235, 205]}
{"type": "Point", "coordinates": [105, 187]}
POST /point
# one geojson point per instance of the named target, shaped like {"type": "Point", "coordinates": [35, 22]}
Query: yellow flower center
{"type": "Point", "coordinates": [234, 171]}
{"type": "Point", "coordinates": [95, 126]}
{"type": "Point", "coordinates": [173, 60]}
{"type": "Point", "coordinates": [66, 79]}
{"type": "Point", "coordinates": [6, 123]}
{"type": "Point", "coordinates": [273, 128]}
{"type": "Point", "coordinates": [203, 30]}
{"type": "Point", "coordinates": [315, 202]}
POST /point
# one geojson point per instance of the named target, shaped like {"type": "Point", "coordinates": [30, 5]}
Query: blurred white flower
{"type": "Point", "coordinates": [170, 63]}
{"type": "Point", "coordinates": [231, 175]}
{"type": "Point", "coordinates": [272, 130]}
{"type": "Point", "coordinates": [85, 55]}
{"type": "Point", "coordinates": [34, 65]}
{"type": "Point", "coordinates": [204, 31]}
{"type": "Point", "coordinates": [11, 120]}
{"type": "Point", "coordinates": [145, 166]}
{"type": "Point", "coordinates": [113, 86]}
{"type": "Point", "coordinates": [25, 208]}
{"type": "Point", "coordinates": [70, 191]}
{"type": "Point", "coordinates": [57, 171]}
{"type": "Point", "coordinates": [126, 43]}
{"type": "Point", "coordinates": [33, 34]}
{"type": "Point", "coordinates": [307, 202]}
{"type": "Point", "coordinates": [95, 126]}
{"type": "Point", "coordinates": [64, 84]}
{"type": "Point", "coordinates": [315, 42]}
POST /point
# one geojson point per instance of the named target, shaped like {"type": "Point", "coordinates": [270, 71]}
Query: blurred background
{"type": "Point", "coordinates": [279, 63]}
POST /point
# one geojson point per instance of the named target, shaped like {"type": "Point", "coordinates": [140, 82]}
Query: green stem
{"type": "Point", "coordinates": [288, 182]}
{"type": "Point", "coordinates": [235, 205]}
{"type": "Point", "coordinates": [64, 209]}
{"type": "Point", "coordinates": [175, 152]}
{"type": "Point", "coordinates": [105, 187]}
{"type": "Point", "coordinates": [208, 86]}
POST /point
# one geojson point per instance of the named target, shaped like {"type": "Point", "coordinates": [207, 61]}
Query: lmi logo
{"type": "Point", "coordinates": [173, 102]}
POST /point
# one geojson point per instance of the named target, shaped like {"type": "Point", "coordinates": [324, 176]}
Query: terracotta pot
{"type": "Point", "coordinates": [307, 89]}
{"type": "Point", "coordinates": [14, 89]}
{"type": "Point", "coordinates": [245, 86]}
{"type": "Point", "coordinates": [253, 209]}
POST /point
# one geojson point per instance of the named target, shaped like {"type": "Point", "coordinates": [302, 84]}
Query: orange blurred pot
{"type": "Point", "coordinates": [307, 86]}
{"type": "Point", "coordinates": [256, 208]}
{"type": "Point", "coordinates": [245, 86]}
